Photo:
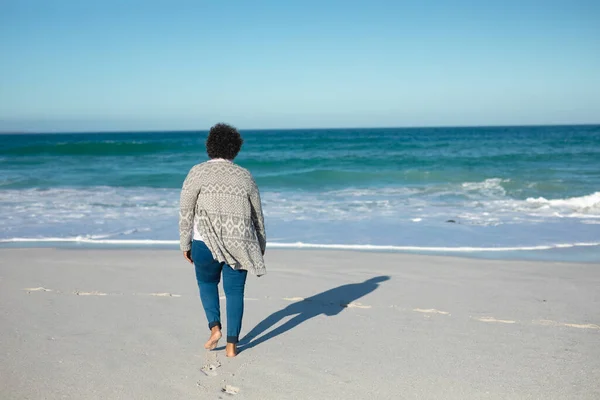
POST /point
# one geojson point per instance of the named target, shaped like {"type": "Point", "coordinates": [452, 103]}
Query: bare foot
{"type": "Point", "coordinates": [213, 340]}
{"type": "Point", "coordinates": [231, 350]}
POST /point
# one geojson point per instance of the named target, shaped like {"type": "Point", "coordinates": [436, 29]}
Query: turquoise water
{"type": "Point", "coordinates": [530, 190]}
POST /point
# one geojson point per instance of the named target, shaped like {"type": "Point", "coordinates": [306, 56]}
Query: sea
{"type": "Point", "coordinates": [496, 192]}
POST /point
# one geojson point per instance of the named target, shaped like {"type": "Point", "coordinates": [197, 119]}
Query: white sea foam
{"type": "Point", "coordinates": [101, 205]}
{"type": "Point", "coordinates": [490, 187]}
{"type": "Point", "coordinates": [416, 216]}
{"type": "Point", "coordinates": [102, 202]}
{"type": "Point", "coordinates": [90, 240]}
{"type": "Point", "coordinates": [386, 191]}
{"type": "Point", "coordinates": [583, 205]}
{"type": "Point", "coordinates": [302, 245]}
{"type": "Point", "coordinates": [442, 249]}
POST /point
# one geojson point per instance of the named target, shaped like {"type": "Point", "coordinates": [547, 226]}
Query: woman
{"type": "Point", "coordinates": [222, 231]}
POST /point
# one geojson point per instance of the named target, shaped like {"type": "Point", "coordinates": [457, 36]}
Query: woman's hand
{"type": "Point", "coordinates": [188, 256]}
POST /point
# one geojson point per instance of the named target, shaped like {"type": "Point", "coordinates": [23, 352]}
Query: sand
{"type": "Point", "coordinates": [128, 324]}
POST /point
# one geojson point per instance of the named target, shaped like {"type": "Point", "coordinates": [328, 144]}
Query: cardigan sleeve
{"type": "Point", "coordinates": [187, 205]}
{"type": "Point", "coordinates": [257, 215]}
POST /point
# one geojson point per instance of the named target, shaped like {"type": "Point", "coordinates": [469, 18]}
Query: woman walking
{"type": "Point", "coordinates": [222, 232]}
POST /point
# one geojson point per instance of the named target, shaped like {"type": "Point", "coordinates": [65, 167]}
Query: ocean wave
{"type": "Point", "coordinates": [510, 211]}
{"type": "Point", "coordinates": [488, 187]}
{"type": "Point", "coordinates": [589, 204]}
{"type": "Point", "coordinates": [476, 201]}
{"type": "Point", "coordinates": [327, 178]}
{"type": "Point", "coordinates": [578, 207]}
{"type": "Point", "coordinates": [370, 192]}
{"type": "Point", "coordinates": [102, 148]}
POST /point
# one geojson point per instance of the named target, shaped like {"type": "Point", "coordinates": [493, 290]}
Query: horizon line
{"type": "Point", "coordinates": [42, 132]}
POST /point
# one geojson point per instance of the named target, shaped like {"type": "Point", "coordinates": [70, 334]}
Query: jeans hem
{"type": "Point", "coordinates": [232, 339]}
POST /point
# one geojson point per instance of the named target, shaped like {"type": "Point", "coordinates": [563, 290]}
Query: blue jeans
{"type": "Point", "coordinates": [208, 275]}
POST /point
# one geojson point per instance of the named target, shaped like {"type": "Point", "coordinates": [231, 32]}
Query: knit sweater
{"type": "Point", "coordinates": [222, 200]}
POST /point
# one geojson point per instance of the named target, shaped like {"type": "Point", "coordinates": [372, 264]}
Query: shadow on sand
{"type": "Point", "coordinates": [330, 303]}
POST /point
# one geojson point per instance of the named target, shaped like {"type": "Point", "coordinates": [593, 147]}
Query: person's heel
{"type": "Point", "coordinates": [215, 336]}
{"type": "Point", "coordinates": [231, 350]}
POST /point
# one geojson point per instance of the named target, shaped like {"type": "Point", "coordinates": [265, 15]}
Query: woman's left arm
{"type": "Point", "coordinates": [257, 215]}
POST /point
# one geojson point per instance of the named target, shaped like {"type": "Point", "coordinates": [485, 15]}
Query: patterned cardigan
{"type": "Point", "coordinates": [222, 200]}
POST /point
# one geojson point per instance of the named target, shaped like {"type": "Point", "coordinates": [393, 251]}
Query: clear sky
{"type": "Point", "coordinates": [127, 65]}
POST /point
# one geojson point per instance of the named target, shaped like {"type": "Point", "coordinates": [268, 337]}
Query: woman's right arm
{"type": "Point", "coordinates": [187, 206]}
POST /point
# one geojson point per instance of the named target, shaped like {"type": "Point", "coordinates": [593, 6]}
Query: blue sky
{"type": "Point", "coordinates": [134, 65]}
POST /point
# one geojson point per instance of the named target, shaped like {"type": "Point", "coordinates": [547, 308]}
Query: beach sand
{"type": "Point", "coordinates": [128, 324]}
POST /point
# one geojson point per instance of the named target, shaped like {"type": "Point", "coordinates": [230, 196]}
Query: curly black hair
{"type": "Point", "coordinates": [224, 141]}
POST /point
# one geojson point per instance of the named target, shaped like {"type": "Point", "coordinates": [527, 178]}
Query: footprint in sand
{"type": "Point", "coordinates": [546, 322]}
{"type": "Point", "coordinates": [582, 326]}
{"type": "Point", "coordinates": [494, 320]}
{"type": "Point", "coordinates": [37, 289]}
{"type": "Point", "coordinates": [210, 368]}
{"type": "Point", "coordinates": [78, 293]}
{"type": "Point", "coordinates": [230, 389]}
{"type": "Point", "coordinates": [245, 298]}
{"type": "Point", "coordinates": [430, 311]}
{"type": "Point", "coordinates": [355, 304]}
{"type": "Point", "coordinates": [293, 298]}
